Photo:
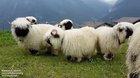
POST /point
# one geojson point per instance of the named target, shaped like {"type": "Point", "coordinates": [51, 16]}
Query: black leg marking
{"type": "Point", "coordinates": [133, 75]}
{"type": "Point", "coordinates": [133, 58]}
{"type": "Point", "coordinates": [109, 56]}
{"type": "Point", "coordinates": [33, 51]}
{"type": "Point", "coordinates": [69, 58]}
{"type": "Point", "coordinates": [49, 51]}
{"type": "Point", "coordinates": [75, 59]}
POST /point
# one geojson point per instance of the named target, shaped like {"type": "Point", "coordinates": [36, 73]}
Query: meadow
{"type": "Point", "coordinates": [13, 57]}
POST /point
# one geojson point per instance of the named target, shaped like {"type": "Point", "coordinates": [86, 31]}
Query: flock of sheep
{"type": "Point", "coordinates": [79, 43]}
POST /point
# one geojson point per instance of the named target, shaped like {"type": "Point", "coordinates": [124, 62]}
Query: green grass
{"type": "Point", "coordinates": [43, 66]}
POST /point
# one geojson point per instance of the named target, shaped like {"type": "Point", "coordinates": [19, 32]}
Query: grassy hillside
{"type": "Point", "coordinates": [44, 66]}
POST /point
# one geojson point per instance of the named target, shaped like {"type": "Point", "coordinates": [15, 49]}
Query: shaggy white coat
{"type": "Point", "coordinates": [77, 43]}
{"type": "Point", "coordinates": [133, 53]}
{"type": "Point", "coordinates": [108, 41]}
{"type": "Point", "coordinates": [34, 39]}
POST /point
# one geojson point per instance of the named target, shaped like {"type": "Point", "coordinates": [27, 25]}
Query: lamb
{"type": "Point", "coordinates": [29, 37]}
{"type": "Point", "coordinates": [133, 54]}
{"type": "Point", "coordinates": [66, 24]}
{"type": "Point", "coordinates": [109, 39]}
{"type": "Point", "coordinates": [75, 43]}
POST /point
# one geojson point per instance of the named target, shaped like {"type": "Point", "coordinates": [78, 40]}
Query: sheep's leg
{"type": "Point", "coordinates": [49, 50]}
{"type": "Point", "coordinates": [55, 53]}
{"type": "Point", "coordinates": [69, 58]}
{"type": "Point", "coordinates": [133, 75]}
{"type": "Point", "coordinates": [72, 59]}
{"type": "Point", "coordinates": [108, 56]}
{"type": "Point", "coordinates": [79, 59]}
{"type": "Point", "coordinates": [89, 58]}
{"type": "Point", "coordinates": [33, 51]}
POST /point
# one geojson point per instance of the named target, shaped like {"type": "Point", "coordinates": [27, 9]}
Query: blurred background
{"type": "Point", "coordinates": [80, 11]}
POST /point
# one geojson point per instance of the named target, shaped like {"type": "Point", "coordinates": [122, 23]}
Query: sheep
{"type": "Point", "coordinates": [75, 43]}
{"type": "Point", "coordinates": [133, 54]}
{"type": "Point", "coordinates": [65, 24]}
{"type": "Point", "coordinates": [29, 37]}
{"type": "Point", "coordinates": [31, 19]}
{"type": "Point", "coordinates": [108, 42]}
{"type": "Point", "coordinates": [109, 39]}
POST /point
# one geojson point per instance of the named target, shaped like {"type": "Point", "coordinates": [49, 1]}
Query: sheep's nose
{"type": "Point", "coordinates": [21, 32]}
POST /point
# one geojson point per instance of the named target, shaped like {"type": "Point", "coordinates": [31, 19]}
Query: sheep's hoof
{"type": "Point", "coordinates": [69, 58]}
{"type": "Point", "coordinates": [73, 59]}
{"type": "Point", "coordinates": [49, 51]}
{"type": "Point", "coordinates": [109, 56]}
{"type": "Point", "coordinates": [133, 75]}
{"type": "Point", "coordinates": [90, 59]}
{"type": "Point", "coordinates": [54, 54]}
{"type": "Point", "coordinates": [33, 51]}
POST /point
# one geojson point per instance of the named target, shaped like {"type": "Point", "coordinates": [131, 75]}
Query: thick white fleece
{"type": "Point", "coordinates": [77, 42]}
{"type": "Point", "coordinates": [133, 52]}
{"type": "Point", "coordinates": [108, 40]}
{"type": "Point", "coordinates": [34, 39]}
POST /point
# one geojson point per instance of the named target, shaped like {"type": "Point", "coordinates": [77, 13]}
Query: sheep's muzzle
{"type": "Point", "coordinates": [21, 32]}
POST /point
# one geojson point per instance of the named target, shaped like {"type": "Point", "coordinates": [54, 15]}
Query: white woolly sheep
{"type": "Point", "coordinates": [75, 43]}
{"type": "Point", "coordinates": [133, 54]}
{"type": "Point", "coordinates": [29, 36]}
{"type": "Point", "coordinates": [108, 42]}
{"type": "Point", "coordinates": [109, 39]}
{"type": "Point", "coordinates": [31, 19]}
{"type": "Point", "coordinates": [65, 24]}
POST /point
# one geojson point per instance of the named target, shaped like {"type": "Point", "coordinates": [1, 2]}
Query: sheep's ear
{"type": "Point", "coordinates": [129, 32]}
{"type": "Point", "coordinates": [32, 21]}
{"type": "Point", "coordinates": [28, 19]}
{"type": "Point", "coordinates": [54, 33]}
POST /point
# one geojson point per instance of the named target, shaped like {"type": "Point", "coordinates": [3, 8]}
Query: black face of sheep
{"type": "Point", "coordinates": [129, 32]}
{"type": "Point", "coordinates": [68, 25]}
{"type": "Point", "coordinates": [21, 32]}
{"type": "Point", "coordinates": [34, 21]}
